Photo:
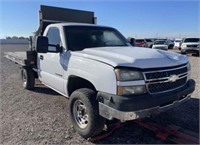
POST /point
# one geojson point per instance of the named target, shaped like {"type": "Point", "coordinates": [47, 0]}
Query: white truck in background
{"type": "Point", "coordinates": [149, 42]}
{"type": "Point", "coordinates": [103, 76]}
{"type": "Point", "coordinates": [169, 42]}
{"type": "Point", "coordinates": [190, 45]}
{"type": "Point", "coordinates": [160, 44]}
{"type": "Point", "coordinates": [177, 43]}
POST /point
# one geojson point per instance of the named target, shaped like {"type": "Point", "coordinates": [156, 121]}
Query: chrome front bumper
{"type": "Point", "coordinates": [110, 113]}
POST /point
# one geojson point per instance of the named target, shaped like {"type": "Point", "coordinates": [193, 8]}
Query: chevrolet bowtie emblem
{"type": "Point", "coordinates": [173, 78]}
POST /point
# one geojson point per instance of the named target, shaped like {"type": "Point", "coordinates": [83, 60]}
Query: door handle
{"type": "Point", "coordinates": [41, 57]}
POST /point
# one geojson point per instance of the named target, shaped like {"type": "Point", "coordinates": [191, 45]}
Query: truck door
{"type": "Point", "coordinates": [50, 67]}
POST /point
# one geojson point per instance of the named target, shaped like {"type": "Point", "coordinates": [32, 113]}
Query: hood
{"type": "Point", "coordinates": [132, 57]}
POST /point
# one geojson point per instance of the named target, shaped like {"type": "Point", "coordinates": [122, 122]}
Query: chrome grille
{"type": "Point", "coordinates": [163, 74]}
{"type": "Point", "coordinates": [162, 87]}
{"type": "Point", "coordinates": [159, 81]}
{"type": "Point", "coordinates": [192, 45]}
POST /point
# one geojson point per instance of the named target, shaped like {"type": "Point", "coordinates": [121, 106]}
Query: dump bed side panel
{"type": "Point", "coordinates": [50, 15]}
{"type": "Point", "coordinates": [66, 15]}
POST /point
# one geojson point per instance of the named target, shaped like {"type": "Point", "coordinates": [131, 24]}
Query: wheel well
{"type": "Point", "coordinates": [75, 83]}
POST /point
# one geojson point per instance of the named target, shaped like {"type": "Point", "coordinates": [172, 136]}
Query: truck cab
{"type": "Point", "coordinates": [74, 41]}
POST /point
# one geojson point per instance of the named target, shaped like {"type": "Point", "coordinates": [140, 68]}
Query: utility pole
{"type": "Point", "coordinates": [156, 35]}
{"type": "Point", "coordinates": [135, 35]}
{"type": "Point", "coordinates": [179, 35]}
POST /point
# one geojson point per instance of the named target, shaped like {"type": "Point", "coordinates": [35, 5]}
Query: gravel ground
{"type": "Point", "coordinates": [41, 116]}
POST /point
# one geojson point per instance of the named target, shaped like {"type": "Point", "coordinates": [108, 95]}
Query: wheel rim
{"type": "Point", "coordinates": [24, 78]}
{"type": "Point", "coordinates": [80, 114]}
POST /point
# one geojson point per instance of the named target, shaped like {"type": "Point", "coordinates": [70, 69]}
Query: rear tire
{"type": "Point", "coordinates": [84, 113]}
{"type": "Point", "coordinates": [28, 78]}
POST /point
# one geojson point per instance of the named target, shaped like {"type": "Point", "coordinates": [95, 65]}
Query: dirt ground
{"type": "Point", "coordinates": [41, 116]}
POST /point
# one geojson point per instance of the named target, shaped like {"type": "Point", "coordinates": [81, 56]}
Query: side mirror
{"type": "Point", "coordinates": [42, 44]}
{"type": "Point", "coordinates": [59, 49]}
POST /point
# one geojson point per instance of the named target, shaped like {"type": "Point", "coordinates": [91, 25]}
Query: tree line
{"type": "Point", "coordinates": [16, 37]}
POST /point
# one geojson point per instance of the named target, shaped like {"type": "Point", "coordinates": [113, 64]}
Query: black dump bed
{"type": "Point", "coordinates": [50, 15]}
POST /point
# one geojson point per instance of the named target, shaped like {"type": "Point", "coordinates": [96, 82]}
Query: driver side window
{"type": "Point", "coordinates": [54, 38]}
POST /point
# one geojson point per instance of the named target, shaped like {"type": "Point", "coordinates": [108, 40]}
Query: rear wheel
{"type": "Point", "coordinates": [28, 78]}
{"type": "Point", "coordinates": [84, 113]}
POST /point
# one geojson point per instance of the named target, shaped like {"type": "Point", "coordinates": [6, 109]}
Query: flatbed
{"type": "Point", "coordinates": [23, 58]}
{"type": "Point", "coordinates": [17, 57]}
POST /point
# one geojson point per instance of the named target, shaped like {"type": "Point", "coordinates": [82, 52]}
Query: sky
{"type": "Point", "coordinates": [133, 18]}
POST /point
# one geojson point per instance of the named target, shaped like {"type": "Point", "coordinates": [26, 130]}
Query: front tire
{"type": "Point", "coordinates": [28, 78]}
{"type": "Point", "coordinates": [170, 46]}
{"type": "Point", "coordinates": [84, 113]}
{"type": "Point", "coordinates": [182, 52]}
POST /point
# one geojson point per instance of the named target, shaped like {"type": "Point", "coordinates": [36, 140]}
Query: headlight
{"type": "Point", "coordinates": [128, 75]}
{"type": "Point", "coordinates": [189, 70]}
{"type": "Point", "coordinates": [131, 90]}
{"type": "Point", "coordinates": [183, 45]}
{"type": "Point", "coordinates": [188, 67]}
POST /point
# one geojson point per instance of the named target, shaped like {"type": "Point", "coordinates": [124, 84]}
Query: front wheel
{"type": "Point", "coordinates": [182, 52]}
{"type": "Point", "coordinates": [170, 46]}
{"type": "Point", "coordinates": [198, 53]}
{"type": "Point", "coordinates": [84, 113]}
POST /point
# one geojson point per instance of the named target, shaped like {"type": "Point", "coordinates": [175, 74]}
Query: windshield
{"type": "Point", "coordinates": [139, 40]}
{"type": "Point", "coordinates": [160, 42]}
{"type": "Point", "coordinates": [81, 37]}
{"type": "Point", "coordinates": [191, 40]}
{"type": "Point", "coordinates": [148, 40]}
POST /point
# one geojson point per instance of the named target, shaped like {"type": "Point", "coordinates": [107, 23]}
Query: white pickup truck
{"type": "Point", "coordinates": [190, 45]}
{"type": "Point", "coordinates": [103, 76]}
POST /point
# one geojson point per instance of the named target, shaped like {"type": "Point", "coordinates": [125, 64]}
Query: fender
{"type": "Point", "coordinates": [101, 75]}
